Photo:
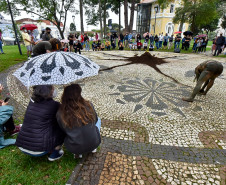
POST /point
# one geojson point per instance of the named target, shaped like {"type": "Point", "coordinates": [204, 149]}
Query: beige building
{"type": "Point", "coordinates": [151, 18]}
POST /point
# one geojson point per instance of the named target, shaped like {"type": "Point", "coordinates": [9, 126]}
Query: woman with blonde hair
{"type": "Point", "coordinates": [78, 119]}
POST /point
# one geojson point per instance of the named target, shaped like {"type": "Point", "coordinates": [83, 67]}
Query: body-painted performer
{"type": "Point", "coordinates": [205, 72]}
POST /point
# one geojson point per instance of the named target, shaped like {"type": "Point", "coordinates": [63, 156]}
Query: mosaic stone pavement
{"type": "Point", "coordinates": [149, 135]}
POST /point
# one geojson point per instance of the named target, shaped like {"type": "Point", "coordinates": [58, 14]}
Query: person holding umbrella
{"type": "Point", "coordinates": [27, 41]}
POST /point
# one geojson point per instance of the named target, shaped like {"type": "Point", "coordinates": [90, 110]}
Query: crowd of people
{"type": "Point", "coordinates": [48, 124]}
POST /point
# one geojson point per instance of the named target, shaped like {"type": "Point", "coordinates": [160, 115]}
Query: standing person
{"type": "Point", "coordinates": [98, 45]}
{"type": "Point", "coordinates": [219, 42]}
{"type": "Point", "coordinates": [151, 39]}
{"type": "Point", "coordinates": [111, 38]}
{"type": "Point", "coordinates": [102, 47]}
{"type": "Point", "coordinates": [130, 36]}
{"type": "Point", "coordinates": [27, 41]}
{"type": "Point", "coordinates": [183, 42]}
{"type": "Point", "coordinates": [187, 42]}
{"type": "Point", "coordinates": [121, 37]}
{"type": "Point", "coordinates": [126, 38]}
{"type": "Point", "coordinates": [195, 44]}
{"type": "Point", "coordinates": [139, 45]}
{"type": "Point", "coordinates": [87, 45]}
{"type": "Point", "coordinates": [78, 119]}
{"type": "Point", "coordinates": [214, 45]}
{"type": "Point", "coordinates": [170, 42]}
{"type": "Point", "coordinates": [1, 42]}
{"type": "Point", "coordinates": [96, 37]}
{"type": "Point", "coordinates": [40, 133]}
{"type": "Point", "coordinates": [47, 35]}
{"type": "Point", "coordinates": [147, 37]}
{"type": "Point", "coordinates": [165, 38]}
{"type": "Point", "coordinates": [71, 39]}
{"type": "Point", "coordinates": [204, 44]}
{"type": "Point", "coordinates": [156, 41]}
{"type": "Point", "coordinates": [76, 35]}
{"type": "Point", "coordinates": [42, 33]}
{"type": "Point", "coordinates": [160, 40]}
{"type": "Point", "coordinates": [82, 39]}
{"type": "Point", "coordinates": [177, 41]}
{"type": "Point", "coordinates": [138, 37]}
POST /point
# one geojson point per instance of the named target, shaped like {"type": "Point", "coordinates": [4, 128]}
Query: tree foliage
{"type": "Point", "coordinates": [72, 27]}
{"type": "Point", "coordinates": [198, 13]}
{"type": "Point", "coordinates": [56, 11]}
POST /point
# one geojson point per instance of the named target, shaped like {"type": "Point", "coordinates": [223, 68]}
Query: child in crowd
{"type": "Point", "coordinates": [93, 45]}
{"type": "Point", "coordinates": [145, 45]}
{"type": "Point", "coordinates": [108, 45]}
{"type": "Point", "coordinates": [6, 122]}
{"type": "Point", "coordinates": [102, 47]}
{"type": "Point", "coordinates": [139, 45]}
{"type": "Point", "coordinates": [134, 45]}
{"type": "Point", "coordinates": [120, 46]}
{"type": "Point", "coordinates": [130, 44]}
{"type": "Point", "coordinates": [98, 45]}
{"type": "Point", "coordinates": [151, 47]}
{"type": "Point", "coordinates": [113, 44]}
{"type": "Point", "coordinates": [78, 119]}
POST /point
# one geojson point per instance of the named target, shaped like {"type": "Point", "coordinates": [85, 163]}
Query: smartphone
{"type": "Point", "coordinates": [7, 99]}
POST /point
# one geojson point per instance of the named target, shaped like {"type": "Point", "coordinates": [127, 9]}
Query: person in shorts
{"type": "Point", "coordinates": [27, 41]}
{"type": "Point", "coordinates": [71, 41]}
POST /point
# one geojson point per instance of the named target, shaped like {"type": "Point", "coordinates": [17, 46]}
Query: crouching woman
{"type": "Point", "coordinates": [40, 133]}
{"type": "Point", "coordinates": [78, 119]}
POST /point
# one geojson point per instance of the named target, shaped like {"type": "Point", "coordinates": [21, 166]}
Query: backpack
{"type": "Point", "coordinates": [177, 50]}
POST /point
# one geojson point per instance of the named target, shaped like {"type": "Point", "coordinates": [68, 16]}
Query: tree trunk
{"type": "Point", "coordinates": [61, 32]}
{"type": "Point", "coordinates": [81, 16]}
{"type": "Point", "coordinates": [126, 15]}
{"type": "Point", "coordinates": [105, 12]}
{"type": "Point", "coordinates": [132, 16]}
{"type": "Point", "coordinates": [101, 27]}
{"type": "Point", "coordinates": [119, 15]}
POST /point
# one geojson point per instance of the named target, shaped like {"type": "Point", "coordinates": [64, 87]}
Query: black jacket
{"type": "Point", "coordinates": [220, 40]}
{"type": "Point", "coordinates": [80, 140]}
{"type": "Point", "coordinates": [40, 130]}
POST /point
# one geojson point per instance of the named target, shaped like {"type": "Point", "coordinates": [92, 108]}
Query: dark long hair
{"type": "Point", "coordinates": [74, 108]}
{"type": "Point", "coordinates": [42, 92]}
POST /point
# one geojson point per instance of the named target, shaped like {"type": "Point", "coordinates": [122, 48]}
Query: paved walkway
{"type": "Point", "coordinates": [149, 135]}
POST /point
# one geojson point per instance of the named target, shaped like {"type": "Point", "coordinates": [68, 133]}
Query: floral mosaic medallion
{"type": "Point", "coordinates": [154, 94]}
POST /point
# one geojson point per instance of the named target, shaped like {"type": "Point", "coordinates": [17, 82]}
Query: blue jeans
{"type": "Point", "coordinates": [177, 44]}
{"type": "Point", "coordinates": [160, 44]}
{"type": "Point", "coordinates": [98, 124]}
{"type": "Point", "coordinates": [157, 45]}
{"type": "Point", "coordinates": [1, 46]}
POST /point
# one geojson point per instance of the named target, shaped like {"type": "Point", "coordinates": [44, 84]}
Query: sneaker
{"type": "Point", "coordinates": [16, 130]}
{"type": "Point", "coordinates": [76, 156]}
{"type": "Point", "coordinates": [57, 154]}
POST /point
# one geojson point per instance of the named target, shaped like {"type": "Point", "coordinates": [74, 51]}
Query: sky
{"type": "Point", "coordinates": [112, 16]}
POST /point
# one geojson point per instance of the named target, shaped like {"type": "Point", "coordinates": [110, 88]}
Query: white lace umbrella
{"type": "Point", "coordinates": [56, 68]}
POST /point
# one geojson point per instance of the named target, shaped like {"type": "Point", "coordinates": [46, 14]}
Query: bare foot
{"type": "Point", "coordinates": [187, 99]}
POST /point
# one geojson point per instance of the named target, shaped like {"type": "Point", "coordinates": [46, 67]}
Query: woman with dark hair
{"type": "Point", "coordinates": [78, 119]}
{"type": "Point", "coordinates": [40, 133]}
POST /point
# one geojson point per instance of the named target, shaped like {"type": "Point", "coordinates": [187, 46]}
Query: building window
{"type": "Point", "coordinates": [171, 8]}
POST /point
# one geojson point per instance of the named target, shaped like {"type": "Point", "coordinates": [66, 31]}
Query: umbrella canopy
{"type": "Point", "coordinates": [29, 27]}
{"type": "Point", "coordinates": [188, 33]}
{"type": "Point", "coordinates": [65, 41]}
{"type": "Point", "coordinates": [56, 68]}
{"type": "Point", "coordinates": [203, 35]}
{"type": "Point", "coordinates": [177, 32]}
{"type": "Point", "coordinates": [113, 31]}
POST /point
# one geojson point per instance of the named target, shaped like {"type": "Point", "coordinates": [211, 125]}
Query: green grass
{"type": "Point", "coordinates": [11, 56]}
{"type": "Point", "coordinates": [18, 168]}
